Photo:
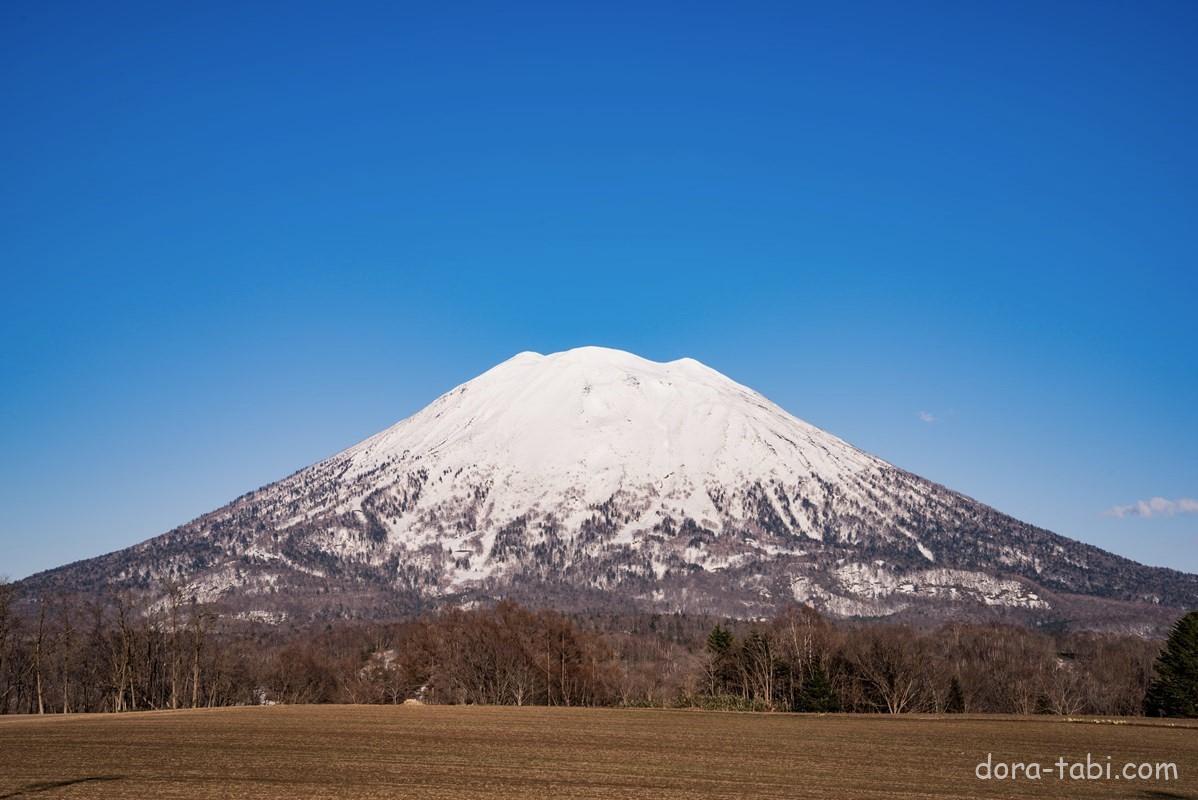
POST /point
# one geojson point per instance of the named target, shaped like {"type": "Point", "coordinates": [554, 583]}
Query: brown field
{"type": "Point", "coordinates": [482, 752]}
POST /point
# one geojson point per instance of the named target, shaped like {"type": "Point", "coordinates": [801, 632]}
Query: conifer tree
{"type": "Point", "coordinates": [719, 641]}
{"type": "Point", "coordinates": [955, 703]}
{"type": "Point", "coordinates": [1174, 690]}
{"type": "Point", "coordinates": [817, 694]}
{"type": "Point", "coordinates": [720, 645]}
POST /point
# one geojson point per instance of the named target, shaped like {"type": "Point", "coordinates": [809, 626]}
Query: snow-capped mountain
{"type": "Point", "coordinates": [596, 478]}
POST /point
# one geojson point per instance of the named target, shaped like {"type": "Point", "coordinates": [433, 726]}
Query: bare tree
{"type": "Point", "coordinates": [198, 624]}
{"type": "Point", "coordinates": [122, 650]}
{"type": "Point", "coordinates": [65, 648]}
{"type": "Point", "coordinates": [174, 599]}
{"type": "Point", "coordinates": [39, 641]}
{"type": "Point", "coordinates": [1064, 690]}
{"type": "Point", "coordinates": [758, 664]}
{"type": "Point", "coordinates": [7, 644]}
{"type": "Point", "coordinates": [888, 663]}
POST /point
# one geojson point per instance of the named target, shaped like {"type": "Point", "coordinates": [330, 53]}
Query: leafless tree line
{"type": "Point", "coordinates": [800, 662]}
{"type": "Point", "coordinates": [70, 656]}
{"type": "Point", "coordinates": [64, 656]}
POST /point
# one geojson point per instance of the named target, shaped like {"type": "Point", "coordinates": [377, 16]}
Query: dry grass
{"type": "Point", "coordinates": [425, 752]}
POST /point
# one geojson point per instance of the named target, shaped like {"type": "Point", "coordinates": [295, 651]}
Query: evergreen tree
{"type": "Point", "coordinates": [719, 641]}
{"type": "Point", "coordinates": [721, 645]}
{"type": "Point", "coordinates": [1174, 690]}
{"type": "Point", "coordinates": [817, 694]}
{"type": "Point", "coordinates": [955, 702]}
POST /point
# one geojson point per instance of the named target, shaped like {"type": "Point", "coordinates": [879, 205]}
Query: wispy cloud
{"type": "Point", "coordinates": [1155, 507]}
{"type": "Point", "coordinates": [927, 416]}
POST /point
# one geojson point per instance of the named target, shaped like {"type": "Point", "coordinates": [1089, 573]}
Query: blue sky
{"type": "Point", "coordinates": [237, 240]}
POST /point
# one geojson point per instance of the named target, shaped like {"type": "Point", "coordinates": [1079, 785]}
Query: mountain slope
{"type": "Point", "coordinates": [595, 477]}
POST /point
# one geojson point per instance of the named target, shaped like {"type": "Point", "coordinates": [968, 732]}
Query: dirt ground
{"type": "Point", "coordinates": [476, 752]}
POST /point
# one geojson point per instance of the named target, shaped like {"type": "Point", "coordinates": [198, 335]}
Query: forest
{"type": "Point", "coordinates": [61, 655]}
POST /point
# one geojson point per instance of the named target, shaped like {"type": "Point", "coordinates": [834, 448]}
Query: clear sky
{"type": "Point", "coordinates": [238, 238]}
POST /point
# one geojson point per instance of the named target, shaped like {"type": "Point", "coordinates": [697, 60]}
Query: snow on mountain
{"type": "Point", "coordinates": [572, 430]}
{"type": "Point", "coordinates": [595, 477]}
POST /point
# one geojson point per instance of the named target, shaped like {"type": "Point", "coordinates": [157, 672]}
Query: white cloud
{"type": "Point", "coordinates": [927, 416]}
{"type": "Point", "coordinates": [1155, 507]}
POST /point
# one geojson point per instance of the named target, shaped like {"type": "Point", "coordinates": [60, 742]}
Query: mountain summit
{"type": "Point", "coordinates": [571, 430]}
{"type": "Point", "coordinates": [593, 478]}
